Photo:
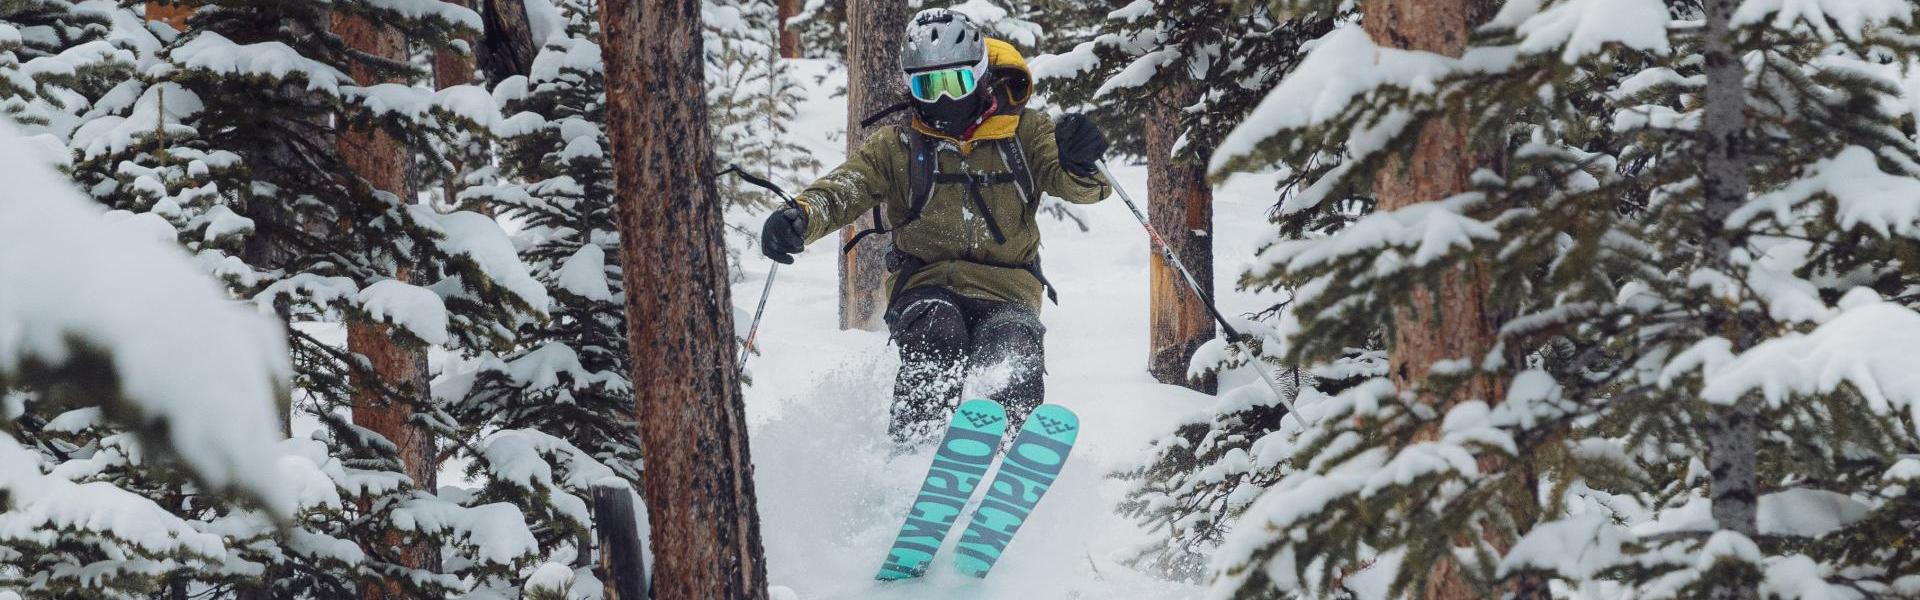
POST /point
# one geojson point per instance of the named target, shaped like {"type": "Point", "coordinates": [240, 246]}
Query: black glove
{"type": "Point", "coordinates": [784, 235]}
{"type": "Point", "coordinates": [1081, 144]}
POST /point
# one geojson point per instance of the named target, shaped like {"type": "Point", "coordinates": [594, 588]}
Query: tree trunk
{"type": "Point", "coordinates": [454, 68]}
{"type": "Point", "coordinates": [1180, 204]}
{"type": "Point", "coordinates": [622, 562]}
{"type": "Point", "coordinates": [789, 39]}
{"type": "Point", "coordinates": [874, 30]}
{"type": "Point", "coordinates": [699, 475]}
{"type": "Point", "coordinates": [1449, 320]}
{"type": "Point", "coordinates": [507, 46]}
{"type": "Point", "coordinates": [380, 159]}
{"type": "Point", "coordinates": [1731, 429]}
{"type": "Point", "coordinates": [174, 15]}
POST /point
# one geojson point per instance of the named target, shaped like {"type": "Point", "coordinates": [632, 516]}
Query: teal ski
{"type": "Point", "coordinates": [1038, 454]}
{"type": "Point", "coordinates": [973, 438]}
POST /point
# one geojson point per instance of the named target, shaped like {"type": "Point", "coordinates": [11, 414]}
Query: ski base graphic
{"type": "Point", "coordinates": [972, 439]}
{"type": "Point", "coordinates": [1029, 468]}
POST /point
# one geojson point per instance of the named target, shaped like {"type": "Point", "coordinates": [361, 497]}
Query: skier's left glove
{"type": "Point", "coordinates": [784, 235]}
{"type": "Point", "coordinates": [1081, 144]}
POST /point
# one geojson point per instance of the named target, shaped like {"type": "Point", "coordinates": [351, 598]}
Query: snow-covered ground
{"type": "Point", "coordinates": [830, 498]}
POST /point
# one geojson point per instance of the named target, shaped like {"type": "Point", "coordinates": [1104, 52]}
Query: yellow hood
{"type": "Point", "coordinates": [1013, 86]}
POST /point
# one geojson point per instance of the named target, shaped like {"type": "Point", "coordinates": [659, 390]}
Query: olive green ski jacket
{"type": "Point", "coordinates": [953, 241]}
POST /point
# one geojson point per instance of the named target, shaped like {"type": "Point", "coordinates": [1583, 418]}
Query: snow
{"type": "Point", "coordinates": [480, 238]}
{"type": "Point", "coordinates": [1431, 230]}
{"type": "Point", "coordinates": [585, 274]}
{"type": "Point", "coordinates": [1583, 27]}
{"type": "Point", "coordinates": [194, 367]}
{"type": "Point", "coordinates": [213, 52]}
{"type": "Point", "coordinates": [448, 12]}
{"type": "Point", "coordinates": [414, 309]}
{"type": "Point", "coordinates": [1807, 512]}
{"type": "Point", "coordinates": [43, 510]}
{"type": "Point", "coordinates": [1868, 346]}
{"type": "Point", "coordinates": [1578, 546]}
{"type": "Point", "coordinates": [1865, 195]}
{"type": "Point", "coordinates": [497, 532]}
{"type": "Point", "coordinates": [1342, 68]}
{"type": "Point", "coordinates": [580, 55]}
{"type": "Point", "coordinates": [550, 577]}
{"type": "Point", "coordinates": [1854, 17]}
{"type": "Point", "coordinates": [469, 102]}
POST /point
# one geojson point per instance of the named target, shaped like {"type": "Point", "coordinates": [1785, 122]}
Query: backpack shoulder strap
{"type": "Point", "coordinates": [922, 164]}
{"type": "Point", "coordinates": [1016, 158]}
{"type": "Point", "coordinates": [923, 167]}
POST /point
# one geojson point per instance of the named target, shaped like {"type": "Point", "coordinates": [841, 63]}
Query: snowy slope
{"type": "Point", "coordinates": [831, 500]}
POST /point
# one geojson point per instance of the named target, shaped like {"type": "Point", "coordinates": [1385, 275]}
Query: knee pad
{"type": "Point", "coordinates": [930, 326]}
{"type": "Point", "coordinates": [1008, 334]}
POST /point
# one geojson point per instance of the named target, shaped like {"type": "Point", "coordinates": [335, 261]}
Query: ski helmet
{"type": "Point", "coordinates": [940, 40]}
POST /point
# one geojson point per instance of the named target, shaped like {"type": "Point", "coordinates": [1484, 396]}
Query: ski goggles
{"type": "Point", "coordinates": [955, 83]}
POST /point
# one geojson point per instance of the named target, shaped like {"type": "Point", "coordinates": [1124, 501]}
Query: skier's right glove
{"type": "Point", "coordinates": [784, 235]}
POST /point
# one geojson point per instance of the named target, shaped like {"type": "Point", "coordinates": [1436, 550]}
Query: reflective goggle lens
{"type": "Point", "coordinates": [953, 83]}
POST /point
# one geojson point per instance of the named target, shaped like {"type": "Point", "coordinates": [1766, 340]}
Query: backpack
{"type": "Point", "coordinates": [923, 176]}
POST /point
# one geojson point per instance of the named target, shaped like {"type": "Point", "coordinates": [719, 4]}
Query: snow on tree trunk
{"type": "Point", "coordinates": [699, 477]}
{"type": "Point", "coordinates": [1448, 321]}
{"type": "Point", "coordinates": [1180, 204]}
{"type": "Point", "coordinates": [873, 83]}
{"type": "Point", "coordinates": [1732, 427]}
{"type": "Point", "coordinates": [397, 371]}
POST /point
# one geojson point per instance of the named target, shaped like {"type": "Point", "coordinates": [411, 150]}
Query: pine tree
{"type": "Point", "coordinates": [227, 137]}
{"type": "Point", "coordinates": [1123, 68]}
{"type": "Point", "coordinates": [751, 96]}
{"type": "Point", "coordinates": [821, 26]}
{"type": "Point", "coordinates": [1637, 308]}
{"type": "Point", "coordinates": [561, 403]}
{"type": "Point", "coordinates": [55, 61]}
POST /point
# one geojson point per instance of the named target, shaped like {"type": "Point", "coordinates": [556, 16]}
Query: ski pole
{"type": "Point", "coordinates": [1166, 251]}
{"type": "Point", "coordinates": [753, 330]}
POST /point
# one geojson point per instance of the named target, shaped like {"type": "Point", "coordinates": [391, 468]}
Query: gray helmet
{"type": "Point", "coordinates": [938, 38]}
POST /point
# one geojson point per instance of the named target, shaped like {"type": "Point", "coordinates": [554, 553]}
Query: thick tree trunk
{"type": "Point", "coordinates": [452, 68]}
{"type": "Point", "coordinates": [699, 474]}
{"type": "Point", "coordinates": [382, 162]}
{"type": "Point", "coordinates": [1180, 204]}
{"type": "Point", "coordinates": [789, 39]}
{"type": "Point", "coordinates": [1449, 320]}
{"type": "Point", "coordinates": [874, 30]}
{"type": "Point", "coordinates": [1731, 430]}
{"type": "Point", "coordinates": [507, 47]}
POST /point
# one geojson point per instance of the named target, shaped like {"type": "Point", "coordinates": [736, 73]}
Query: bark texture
{"type": "Point", "coordinates": [381, 161]}
{"type": "Point", "coordinates": [789, 39]}
{"type": "Point", "coordinates": [1731, 430]}
{"type": "Point", "coordinates": [1180, 204]}
{"type": "Point", "coordinates": [507, 46]}
{"type": "Point", "coordinates": [1448, 320]}
{"type": "Point", "coordinates": [699, 476]}
{"type": "Point", "coordinates": [874, 31]}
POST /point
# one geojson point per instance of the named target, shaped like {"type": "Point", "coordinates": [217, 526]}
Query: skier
{"type": "Point", "coordinates": [961, 189]}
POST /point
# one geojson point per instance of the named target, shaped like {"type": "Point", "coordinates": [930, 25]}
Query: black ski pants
{"type": "Point", "coordinates": [945, 339]}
